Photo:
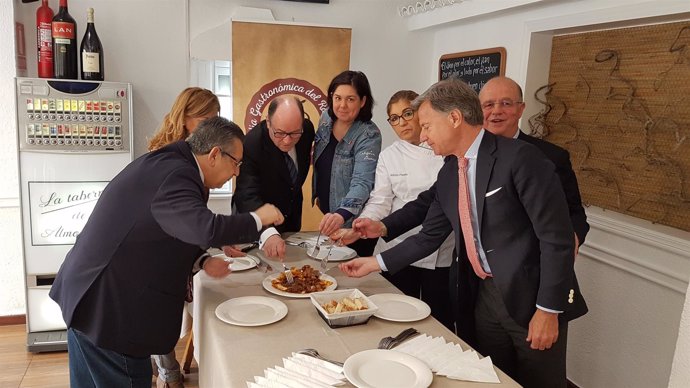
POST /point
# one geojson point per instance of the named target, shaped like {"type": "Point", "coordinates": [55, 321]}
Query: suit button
{"type": "Point", "coordinates": [570, 300]}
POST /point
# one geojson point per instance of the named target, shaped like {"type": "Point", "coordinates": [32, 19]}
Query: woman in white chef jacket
{"type": "Point", "coordinates": [405, 169]}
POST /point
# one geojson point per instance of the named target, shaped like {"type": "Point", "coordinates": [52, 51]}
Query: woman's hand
{"type": "Point", "coordinates": [344, 236]}
{"type": "Point", "coordinates": [368, 228]}
{"type": "Point", "coordinates": [330, 223]}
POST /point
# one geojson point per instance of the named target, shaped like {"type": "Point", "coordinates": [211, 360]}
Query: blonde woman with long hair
{"type": "Point", "coordinates": [190, 108]}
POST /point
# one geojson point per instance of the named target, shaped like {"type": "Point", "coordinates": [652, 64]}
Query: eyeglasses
{"type": "Point", "coordinates": [283, 135]}
{"type": "Point", "coordinates": [505, 104]}
{"type": "Point", "coordinates": [238, 163]}
{"type": "Point", "coordinates": [406, 115]}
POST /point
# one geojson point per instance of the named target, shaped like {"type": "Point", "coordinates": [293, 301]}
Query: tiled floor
{"type": "Point", "coordinates": [21, 369]}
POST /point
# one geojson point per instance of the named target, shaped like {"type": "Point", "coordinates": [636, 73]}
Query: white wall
{"type": "Point", "coordinates": [633, 274]}
{"type": "Point", "coordinates": [680, 372]}
{"type": "Point", "coordinates": [11, 279]}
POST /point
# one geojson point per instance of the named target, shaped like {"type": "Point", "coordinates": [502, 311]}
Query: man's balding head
{"type": "Point", "coordinates": [502, 105]}
{"type": "Point", "coordinates": [285, 117]}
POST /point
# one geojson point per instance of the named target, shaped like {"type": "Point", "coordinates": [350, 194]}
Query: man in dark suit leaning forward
{"type": "Point", "coordinates": [122, 286]}
{"type": "Point", "coordinates": [277, 155]}
{"type": "Point", "coordinates": [502, 200]}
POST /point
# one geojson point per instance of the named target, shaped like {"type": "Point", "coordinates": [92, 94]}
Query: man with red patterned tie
{"type": "Point", "coordinates": [502, 200]}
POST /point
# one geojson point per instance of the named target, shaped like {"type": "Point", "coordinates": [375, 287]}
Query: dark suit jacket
{"type": "Point", "coordinates": [413, 213]}
{"type": "Point", "coordinates": [561, 159]}
{"type": "Point", "coordinates": [528, 245]}
{"type": "Point", "coordinates": [123, 283]}
{"type": "Point", "coordinates": [265, 177]}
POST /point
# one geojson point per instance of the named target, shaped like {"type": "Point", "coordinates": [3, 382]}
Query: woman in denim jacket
{"type": "Point", "coordinates": [346, 151]}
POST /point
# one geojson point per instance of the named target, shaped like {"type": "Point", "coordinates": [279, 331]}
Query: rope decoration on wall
{"type": "Point", "coordinates": [618, 100]}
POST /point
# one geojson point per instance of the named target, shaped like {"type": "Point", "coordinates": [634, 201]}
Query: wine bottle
{"type": "Point", "coordinates": [65, 44]}
{"type": "Point", "coordinates": [91, 52]}
{"type": "Point", "coordinates": [44, 40]}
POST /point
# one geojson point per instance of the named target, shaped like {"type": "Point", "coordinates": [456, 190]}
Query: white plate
{"type": "Point", "coordinates": [336, 254]}
{"type": "Point", "coordinates": [400, 308]}
{"type": "Point", "coordinates": [269, 286]}
{"type": "Point", "coordinates": [251, 311]}
{"type": "Point", "coordinates": [239, 263]}
{"type": "Point", "coordinates": [376, 368]}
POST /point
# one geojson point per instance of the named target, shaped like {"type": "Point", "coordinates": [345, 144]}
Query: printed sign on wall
{"type": "Point", "coordinates": [59, 210]}
{"type": "Point", "coordinates": [274, 59]}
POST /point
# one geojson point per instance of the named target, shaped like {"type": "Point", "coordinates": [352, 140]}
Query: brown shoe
{"type": "Point", "coordinates": [169, 384]}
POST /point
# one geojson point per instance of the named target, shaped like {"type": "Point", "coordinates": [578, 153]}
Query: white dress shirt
{"type": "Point", "coordinates": [404, 171]}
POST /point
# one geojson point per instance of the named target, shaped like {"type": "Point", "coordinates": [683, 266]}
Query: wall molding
{"type": "Point", "coordinates": [12, 202]}
{"type": "Point", "coordinates": [653, 252]}
{"type": "Point", "coordinates": [12, 320]}
{"type": "Point", "coordinates": [462, 10]}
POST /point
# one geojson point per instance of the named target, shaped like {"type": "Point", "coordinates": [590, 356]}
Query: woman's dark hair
{"type": "Point", "coordinates": [406, 95]}
{"type": "Point", "coordinates": [359, 81]}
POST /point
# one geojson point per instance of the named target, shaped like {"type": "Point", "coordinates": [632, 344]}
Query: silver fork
{"type": "Point", "coordinates": [324, 261]}
{"type": "Point", "coordinates": [317, 247]}
{"type": "Point", "coordinates": [288, 274]}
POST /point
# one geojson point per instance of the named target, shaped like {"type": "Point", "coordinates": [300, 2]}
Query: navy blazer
{"type": "Point", "coordinates": [524, 224]}
{"type": "Point", "coordinates": [413, 213]}
{"type": "Point", "coordinates": [265, 177]}
{"type": "Point", "coordinates": [123, 284]}
{"type": "Point", "coordinates": [564, 169]}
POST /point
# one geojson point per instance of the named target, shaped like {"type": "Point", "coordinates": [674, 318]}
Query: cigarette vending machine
{"type": "Point", "coordinates": [74, 137]}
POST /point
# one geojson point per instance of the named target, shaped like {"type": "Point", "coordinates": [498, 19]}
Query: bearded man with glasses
{"type": "Point", "coordinates": [277, 156]}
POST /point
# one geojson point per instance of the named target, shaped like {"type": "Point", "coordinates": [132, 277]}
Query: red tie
{"type": "Point", "coordinates": [466, 220]}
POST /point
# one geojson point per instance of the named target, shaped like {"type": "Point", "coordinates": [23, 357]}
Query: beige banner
{"type": "Point", "coordinates": [269, 60]}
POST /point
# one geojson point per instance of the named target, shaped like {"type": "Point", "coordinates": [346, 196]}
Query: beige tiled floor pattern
{"type": "Point", "coordinates": [21, 369]}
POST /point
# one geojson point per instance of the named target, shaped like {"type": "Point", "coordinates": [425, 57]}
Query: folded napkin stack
{"type": "Point", "coordinates": [448, 359]}
{"type": "Point", "coordinates": [300, 371]}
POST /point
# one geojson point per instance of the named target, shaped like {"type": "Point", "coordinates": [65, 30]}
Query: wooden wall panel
{"type": "Point", "coordinates": [619, 101]}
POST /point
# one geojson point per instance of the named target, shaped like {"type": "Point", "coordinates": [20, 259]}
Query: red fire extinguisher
{"type": "Point", "coordinates": [44, 18]}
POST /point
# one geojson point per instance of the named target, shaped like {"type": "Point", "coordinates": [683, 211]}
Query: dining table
{"type": "Point", "coordinates": [229, 355]}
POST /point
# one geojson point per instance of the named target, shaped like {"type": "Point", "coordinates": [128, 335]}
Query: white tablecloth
{"type": "Point", "coordinates": [228, 355]}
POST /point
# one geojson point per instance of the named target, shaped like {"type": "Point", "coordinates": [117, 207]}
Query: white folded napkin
{"type": "Point", "coordinates": [338, 370]}
{"type": "Point", "coordinates": [299, 371]}
{"type": "Point", "coordinates": [448, 359]}
{"type": "Point", "coordinates": [480, 371]}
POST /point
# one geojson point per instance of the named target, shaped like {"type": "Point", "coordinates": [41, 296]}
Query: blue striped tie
{"type": "Point", "coordinates": [291, 168]}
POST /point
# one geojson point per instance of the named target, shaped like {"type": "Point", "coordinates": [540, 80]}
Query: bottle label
{"type": "Point", "coordinates": [63, 30]}
{"type": "Point", "coordinates": [45, 44]}
{"type": "Point", "coordinates": [90, 62]}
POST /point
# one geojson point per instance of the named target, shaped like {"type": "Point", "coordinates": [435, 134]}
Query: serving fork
{"type": "Point", "coordinates": [317, 247]}
{"type": "Point", "coordinates": [288, 274]}
{"type": "Point", "coordinates": [324, 260]}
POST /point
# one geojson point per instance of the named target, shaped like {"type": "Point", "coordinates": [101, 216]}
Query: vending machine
{"type": "Point", "coordinates": [74, 137]}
